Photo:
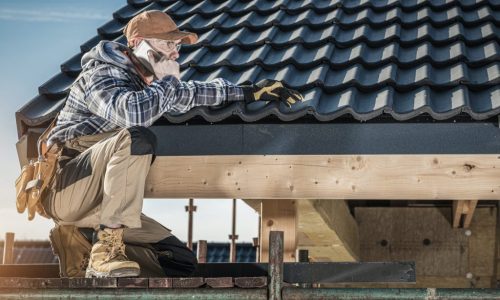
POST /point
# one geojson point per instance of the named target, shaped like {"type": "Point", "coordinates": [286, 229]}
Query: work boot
{"type": "Point", "coordinates": [72, 250]}
{"type": "Point", "coordinates": [108, 259]}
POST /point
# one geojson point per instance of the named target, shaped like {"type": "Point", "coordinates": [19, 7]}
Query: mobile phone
{"type": "Point", "coordinates": [141, 52]}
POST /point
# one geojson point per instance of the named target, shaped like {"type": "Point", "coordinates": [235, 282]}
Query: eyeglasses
{"type": "Point", "coordinates": [163, 44]}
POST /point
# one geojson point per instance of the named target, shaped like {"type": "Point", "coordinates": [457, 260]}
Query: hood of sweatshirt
{"type": "Point", "coordinates": [108, 52]}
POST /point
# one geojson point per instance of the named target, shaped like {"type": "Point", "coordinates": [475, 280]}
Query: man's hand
{"type": "Point", "coordinates": [162, 66]}
{"type": "Point", "coordinates": [271, 90]}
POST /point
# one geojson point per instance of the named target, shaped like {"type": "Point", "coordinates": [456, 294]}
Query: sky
{"type": "Point", "coordinates": [36, 37]}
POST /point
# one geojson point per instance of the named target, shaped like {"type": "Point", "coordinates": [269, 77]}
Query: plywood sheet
{"type": "Point", "coordinates": [425, 235]}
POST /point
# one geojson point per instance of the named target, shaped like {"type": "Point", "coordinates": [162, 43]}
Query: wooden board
{"type": "Point", "coordinates": [424, 235]}
{"type": "Point", "coordinates": [253, 203]}
{"type": "Point", "coordinates": [463, 211]}
{"type": "Point", "coordinates": [327, 230]}
{"type": "Point", "coordinates": [397, 177]}
{"type": "Point", "coordinates": [279, 215]}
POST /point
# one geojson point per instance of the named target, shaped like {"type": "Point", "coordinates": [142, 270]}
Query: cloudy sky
{"type": "Point", "coordinates": [36, 37]}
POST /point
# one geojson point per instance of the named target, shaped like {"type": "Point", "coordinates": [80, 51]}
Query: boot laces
{"type": "Point", "coordinates": [85, 262]}
{"type": "Point", "coordinates": [115, 248]}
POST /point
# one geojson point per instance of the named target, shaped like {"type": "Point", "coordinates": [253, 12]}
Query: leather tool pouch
{"type": "Point", "coordinates": [36, 178]}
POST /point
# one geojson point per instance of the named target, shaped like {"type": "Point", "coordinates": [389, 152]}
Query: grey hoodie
{"type": "Point", "coordinates": [108, 52]}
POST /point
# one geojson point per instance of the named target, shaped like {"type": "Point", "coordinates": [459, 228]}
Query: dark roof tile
{"type": "Point", "coordinates": [37, 111]}
{"type": "Point", "coordinates": [139, 3]}
{"type": "Point", "coordinates": [358, 57]}
{"type": "Point", "coordinates": [298, 54]}
{"type": "Point", "coordinates": [111, 29]}
{"type": "Point", "coordinates": [57, 86]}
{"type": "Point", "coordinates": [72, 66]}
{"type": "Point", "coordinates": [125, 13]}
{"type": "Point", "coordinates": [85, 47]}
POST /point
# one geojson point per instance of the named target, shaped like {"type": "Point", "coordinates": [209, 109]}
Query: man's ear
{"type": "Point", "coordinates": [134, 42]}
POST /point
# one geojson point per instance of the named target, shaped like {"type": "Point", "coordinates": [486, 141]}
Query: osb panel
{"type": "Point", "coordinates": [482, 242]}
{"type": "Point", "coordinates": [425, 235]}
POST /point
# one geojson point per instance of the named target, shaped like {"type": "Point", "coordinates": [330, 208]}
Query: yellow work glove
{"type": "Point", "coordinates": [271, 90]}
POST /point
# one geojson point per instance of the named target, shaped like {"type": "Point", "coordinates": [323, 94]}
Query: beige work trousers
{"type": "Point", "coordinates": [104, 183]}
{"type": "Point", "coordinates": [100, 181]}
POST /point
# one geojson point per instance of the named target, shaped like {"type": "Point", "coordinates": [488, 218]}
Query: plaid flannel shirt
{"type": "Point", "coordinates": [107, 97]}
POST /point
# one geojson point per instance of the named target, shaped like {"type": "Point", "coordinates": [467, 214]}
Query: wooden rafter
{"type": "Point", "coordinates": [463, 209]}
{"type": "Point", "coordinates": [328, 230]}
{"type": "Point", "coordinates": [279, 215]}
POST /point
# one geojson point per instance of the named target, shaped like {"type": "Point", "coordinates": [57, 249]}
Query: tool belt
{"type": "Point", "coordinates": [36, 178]}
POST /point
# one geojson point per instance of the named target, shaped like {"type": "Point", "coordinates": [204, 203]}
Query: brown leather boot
{"type": "Point", "coordinates": [107, 257]}
{"type": "Point", "coordinates": [72, 250]}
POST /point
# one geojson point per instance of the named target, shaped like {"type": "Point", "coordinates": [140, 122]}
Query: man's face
{"type": "Point", "coordinates": [167, 48]}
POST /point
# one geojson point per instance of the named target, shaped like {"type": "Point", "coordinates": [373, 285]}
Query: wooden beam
{"type": "Point", "coordinates": [278, 215]}
{"type": "Point", "coordinates": [469, 212]}
{"type": "Point", "coordinates": [388, 177]}
{"type": "Point", "coordinates": [463, 209]}
{"type": "Point", "coordinates": [327, 230]}
{"type": "Point", "coordinates": [458, 208]}
{"type": "Point", "coordinates": [253, 203]}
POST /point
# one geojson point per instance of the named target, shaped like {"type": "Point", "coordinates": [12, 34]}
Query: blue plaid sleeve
{"type": "Point", "coordinates": [111, 96]}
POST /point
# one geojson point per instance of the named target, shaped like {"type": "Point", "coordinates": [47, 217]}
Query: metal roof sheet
{"type": "Point", "coordinates": [362, 58]}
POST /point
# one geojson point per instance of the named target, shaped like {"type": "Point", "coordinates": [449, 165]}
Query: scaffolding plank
{"type": "Point", "coordinates": [92, 283]}
{"type": "Point", "coordinates": [188, 282]}
{"type": "Point", "coordinates": [33, 283]}
{"type": "Point", "coordinates": [133, 282]}
{"type": "Point", "coordinates": [220, 282]}
{"type": "Point", "coordinates": [250, 282]}
{"type": "Point", "coordinates": [160, 283]}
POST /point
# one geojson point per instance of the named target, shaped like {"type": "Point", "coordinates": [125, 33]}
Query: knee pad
{"type": "Point", "coordinates": [143, 141]}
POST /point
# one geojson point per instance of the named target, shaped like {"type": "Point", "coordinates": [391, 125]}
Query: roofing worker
{"type": "Point", "coordinates": [107, 149]}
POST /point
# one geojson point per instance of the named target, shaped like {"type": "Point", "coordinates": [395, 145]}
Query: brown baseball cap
{"type": "Point", "coordinates": [158, 25]}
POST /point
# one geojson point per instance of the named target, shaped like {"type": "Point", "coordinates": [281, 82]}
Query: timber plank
{"type": "Point", "coordinates": [458, 208]}
{"type": "Point", "coordinates": [385, 177]}
{"type": "Point", "coordinates": [220, 282]}
{"type": "Point", "coordinates": [33, 283]}
{"type": "Point", "coordinates": [188, 282]}
{"type": "Point", "coordinates": [92, 283]}
{"type": "Point", "coordinates": [160, 283]}
{"type": "Point", "coordinates": [463, 210]}
{"type": "Point", "coordinates": [250, 282]}
{"type": "Point", "coordinates": [279, 215]}
{"type": "Point", "coordinates": [133, 282]}
{"type": "Point", "coordinates": [470, 212]}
